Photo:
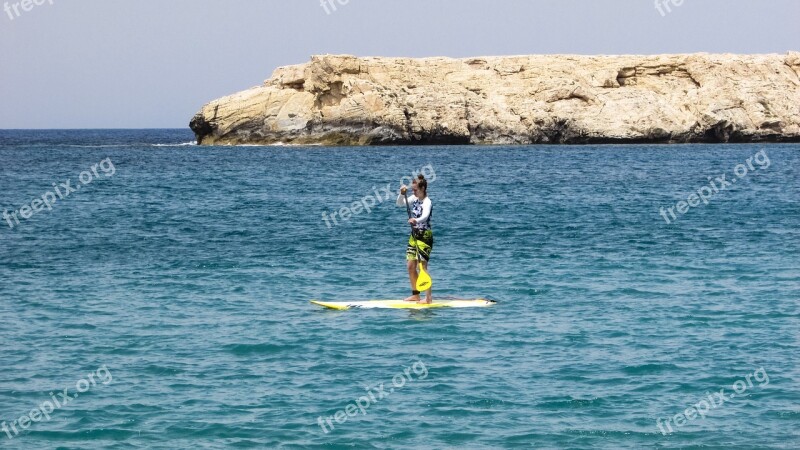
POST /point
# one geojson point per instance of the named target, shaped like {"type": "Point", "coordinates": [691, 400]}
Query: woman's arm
{"type": "Point", "coordinates": [401, 200]}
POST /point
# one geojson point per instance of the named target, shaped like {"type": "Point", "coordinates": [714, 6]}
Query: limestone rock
{"type": "Point", "coordinates": [347, 100]}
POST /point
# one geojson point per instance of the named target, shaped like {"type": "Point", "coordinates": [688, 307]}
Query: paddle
{"type": "Point", "coordinates": [424, 281]}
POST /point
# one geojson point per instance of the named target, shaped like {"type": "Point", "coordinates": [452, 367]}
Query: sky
{"type": "Point", "coordinates": [154, 63]}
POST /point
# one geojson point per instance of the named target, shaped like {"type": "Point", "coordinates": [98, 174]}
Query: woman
{"type": "Point", "coordinates": [420, 243]}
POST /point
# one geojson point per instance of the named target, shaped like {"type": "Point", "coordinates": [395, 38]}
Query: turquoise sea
{"type": "Point", "coordinates": [169, 296]}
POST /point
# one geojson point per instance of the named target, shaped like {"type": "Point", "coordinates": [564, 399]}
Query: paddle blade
{"type": "Point", "coordinates": [424, 281]}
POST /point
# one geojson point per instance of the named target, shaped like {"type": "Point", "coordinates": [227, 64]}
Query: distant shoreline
{"type": "Point", "coordinates": [160, 142]}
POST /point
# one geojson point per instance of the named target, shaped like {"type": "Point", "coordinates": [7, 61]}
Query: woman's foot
{"type": "Point", "coordinates": [427, 301]}
{"type": "Point", "coordinates": [413, 298]}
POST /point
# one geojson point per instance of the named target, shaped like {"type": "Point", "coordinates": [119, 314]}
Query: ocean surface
{"type": "Point", "coordinates": [167, 290]}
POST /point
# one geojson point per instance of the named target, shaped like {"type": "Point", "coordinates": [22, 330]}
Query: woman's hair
{"type": "Point", "coordinates": [422, 183]}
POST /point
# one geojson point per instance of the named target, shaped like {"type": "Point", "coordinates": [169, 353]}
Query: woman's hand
{"type": "Point", "coordinates": [403, 189]}
{"type": "Point", "coordinates": [412, 221]}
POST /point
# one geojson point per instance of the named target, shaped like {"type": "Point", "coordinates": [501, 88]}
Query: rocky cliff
{"type": "Point", "coordinates": [347, 100]}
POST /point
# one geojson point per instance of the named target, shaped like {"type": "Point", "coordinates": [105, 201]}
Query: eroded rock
{"type": "Point", "coordinates": [346, 100]}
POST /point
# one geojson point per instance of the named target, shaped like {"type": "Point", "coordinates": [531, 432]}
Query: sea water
{"type": "Point", "coordinates": [161, 298]}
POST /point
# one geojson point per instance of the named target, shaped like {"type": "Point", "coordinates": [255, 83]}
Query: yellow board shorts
{"type": "Point", "coordinates": [420, 242]}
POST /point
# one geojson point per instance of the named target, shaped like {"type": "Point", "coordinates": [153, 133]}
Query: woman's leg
{"type": "Point", "coordinates": [412, 275]}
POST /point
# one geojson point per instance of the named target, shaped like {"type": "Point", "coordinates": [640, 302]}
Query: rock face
{"type": "Point", "coordinates": [346, 100]}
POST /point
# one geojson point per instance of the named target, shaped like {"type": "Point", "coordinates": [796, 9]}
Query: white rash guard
{"type": "Point", "coordinates": [420, 210]}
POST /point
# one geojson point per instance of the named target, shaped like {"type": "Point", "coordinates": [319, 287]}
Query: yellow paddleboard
{"type": "Point", "coordinates": [400, 304]}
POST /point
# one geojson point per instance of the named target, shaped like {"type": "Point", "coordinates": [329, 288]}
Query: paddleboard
{"type": "Point", "coordinates": [400, 304]}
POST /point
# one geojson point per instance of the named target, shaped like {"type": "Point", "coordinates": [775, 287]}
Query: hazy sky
{"type": "Point", "coordinates": [154, 63]}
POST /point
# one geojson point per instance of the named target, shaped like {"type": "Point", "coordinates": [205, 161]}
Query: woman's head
{"type": "Point", "coordinates": [420, 185]}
